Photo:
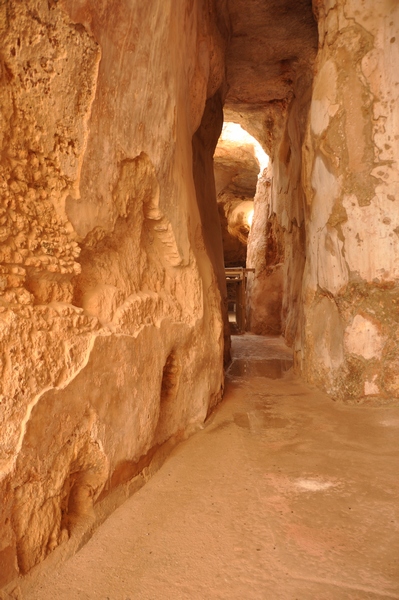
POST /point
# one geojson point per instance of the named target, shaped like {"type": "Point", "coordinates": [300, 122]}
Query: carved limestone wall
{"type": "Point", "coordinates": [350, 290]}
{"type": "Point", "coordinates": [266, 255]}
{"type": "Point", "coordinates": [111, 321]}
{"type": "Point", "coordinates": [333, 204]}
{"type": "Point", "coordinates": [277, 245]}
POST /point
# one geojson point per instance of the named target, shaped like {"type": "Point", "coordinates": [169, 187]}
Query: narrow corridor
{"type": "Point", "coordinates": [283, 495]}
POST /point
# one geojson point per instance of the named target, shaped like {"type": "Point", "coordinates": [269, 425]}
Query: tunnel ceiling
{"type": "Point", "coordinates": [269, 60]}
{"type": "Point", "coordinates": [272, 43]}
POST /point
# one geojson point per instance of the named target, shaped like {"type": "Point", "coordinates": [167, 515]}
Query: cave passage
{"type": "Point", "coordinates": [240, 164]}
{"type": "Point", "coordinates": [120, 212]}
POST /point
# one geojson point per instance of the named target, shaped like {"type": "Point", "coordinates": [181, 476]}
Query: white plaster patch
{"type": "Point", "coordinates": [363, 338]}
{"type": "Point", "coordinates": [379, 67]}
{"type": "Point", "coordinates": [371, 388]}
{"type": "Point", "coordinates": [285, 220]}
{"type": "Point", "coordinates": [325, 333]}
{"type": "Point", "coordinates": [327, 189]}
{"type": "Point", "coordinates": [371, 243]}
{"type": "Point", "coordinates": [313, 485]}
{"type": "Point", "coordinates": [323, 105]}
{"type": "Point", "coordinates": [332, 271]}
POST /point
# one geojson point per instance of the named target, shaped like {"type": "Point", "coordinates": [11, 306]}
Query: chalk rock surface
{"type": "Point", "coordinates": [349, 338]}
{"type": "Point", "coordinates": [110, 310]}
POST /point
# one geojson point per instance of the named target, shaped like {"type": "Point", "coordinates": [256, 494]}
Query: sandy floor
{"type": "Point", "coordinates": [283, 495]}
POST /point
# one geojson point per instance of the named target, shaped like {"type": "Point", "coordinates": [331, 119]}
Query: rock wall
{"type": "Point", "coordinates": [276, 246]}
{"type": "Point", "coordinates": [110, 313]}
{"type": "Point", "coordinates": [349, 339]}
{"type": "Point", "coordinates": [333, 203]}
{"type": "Point", "coordinates": [266, 254]}
{"type": "Point", "coordinates": [288, 201]}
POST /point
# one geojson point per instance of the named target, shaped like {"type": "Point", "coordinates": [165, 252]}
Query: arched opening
{"type": "Point", "coordinates": [240, 165]}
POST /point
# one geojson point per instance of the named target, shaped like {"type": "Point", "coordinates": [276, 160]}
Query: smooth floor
{"type": "Point", "coordinates": [284, 494]}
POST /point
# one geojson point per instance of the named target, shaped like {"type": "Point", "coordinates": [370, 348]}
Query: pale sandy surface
{"type": "Point", "coordinates": [283, 495]}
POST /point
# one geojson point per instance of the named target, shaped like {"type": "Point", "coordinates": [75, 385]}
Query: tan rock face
{"type": "Point", "coordinates": [234, 218]}
{"type": "Point", "coordinates": [351, 156]}
{"type": "Point", "coordinates": [272, 45]}
{"type": "Point", "coordinates": [266, 255]}
{"type": "Point", "coordinates": [111, 314]}
{"type": "Point", "coordinates": [334, 149]}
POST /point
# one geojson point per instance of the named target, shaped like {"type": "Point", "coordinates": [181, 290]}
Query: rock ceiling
{"type": "Point", "coordinates": [272, 43]}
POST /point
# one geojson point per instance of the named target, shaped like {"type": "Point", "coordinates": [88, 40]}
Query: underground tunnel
{"type": "Point", "coordinates": [124, 201]}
